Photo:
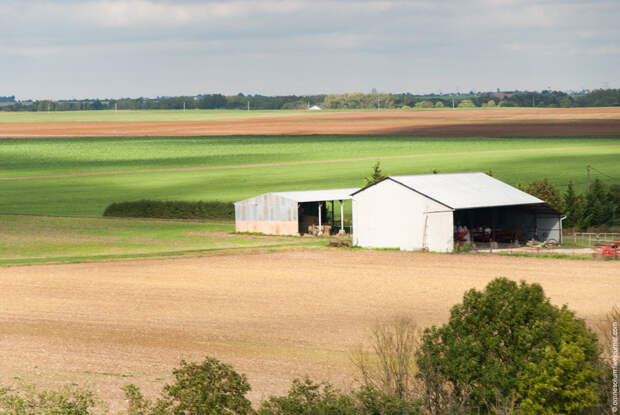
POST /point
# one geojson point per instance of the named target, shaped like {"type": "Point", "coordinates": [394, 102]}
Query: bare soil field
{"type": "Point", "coordinates": [487, 123]}
{"type": "Point", "coordinates": [274, 315]}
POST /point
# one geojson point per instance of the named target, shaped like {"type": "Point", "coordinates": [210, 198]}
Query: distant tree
{"type": "Point", "coordinates": [600, 206]}
{"type": "Point", "coordinates": [439, 104]}
{"type": "Point", "coordinates": [466, 103]}
{"type": "Point", "coordinates": [566, 102]}
{"type": "Point", "coordinates": [376, 176]}
{"type": "Point", "coordinates": [573, 206]}
{"type": "Point", "coordinates": [507, 103]}
{"type": "Point", "coordinates": [424, 104]}
{"type": "Point", "coordinates": [491, 103]}
{"type": "Point", "coordinates": [544, 190]}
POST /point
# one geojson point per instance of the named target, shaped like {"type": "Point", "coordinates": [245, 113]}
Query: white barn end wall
{"type": "Point", "coordinates": [389, 215]}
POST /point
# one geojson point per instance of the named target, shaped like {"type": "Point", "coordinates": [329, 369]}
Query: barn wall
{"type": "Point", "coordinates": [548, 227]}
{"type": "Point", "coordinates": [268, 213]}
{"type": "Point", "coordinates": [388, 215]}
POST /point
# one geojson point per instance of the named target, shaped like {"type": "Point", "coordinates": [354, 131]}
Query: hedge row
{"type": "Point", "coordinates": [171, 210]}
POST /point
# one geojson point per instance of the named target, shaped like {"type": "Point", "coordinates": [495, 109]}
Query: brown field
{"type": "Point", "coordinates": [273, 315]}
{"type": "Point", "coordinates": [487, 123]}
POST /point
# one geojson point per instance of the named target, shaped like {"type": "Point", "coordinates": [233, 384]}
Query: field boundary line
{"type": "Point", "coordinates": [293, 163]}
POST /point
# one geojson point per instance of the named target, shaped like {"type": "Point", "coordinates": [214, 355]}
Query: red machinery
{"type": "Point", "coordinates": [611, 251]}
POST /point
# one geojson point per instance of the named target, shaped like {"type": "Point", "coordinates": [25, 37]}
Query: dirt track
{"type": "Point", "coordinates": [273, 315]}
{"type": "Point", "coordinates": [488, 123]}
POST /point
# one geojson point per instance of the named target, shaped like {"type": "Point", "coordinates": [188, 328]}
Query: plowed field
{"type": "Point", "coordinates": [274, 316]}
{"type": "Point", "coordinates": [484, 123]}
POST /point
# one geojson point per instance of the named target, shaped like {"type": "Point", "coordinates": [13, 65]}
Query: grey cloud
{"type": "Point", "coordinates": [351, 45]}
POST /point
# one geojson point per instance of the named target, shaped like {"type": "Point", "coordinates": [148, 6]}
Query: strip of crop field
{"type": "Point", "coordinates": [295, 163]}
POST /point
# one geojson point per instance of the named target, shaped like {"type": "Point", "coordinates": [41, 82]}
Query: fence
{"type": "Point", "coordinates": [590, 239]}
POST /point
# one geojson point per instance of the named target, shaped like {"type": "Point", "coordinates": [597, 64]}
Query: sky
{"type": "Point", "coordinates": [111, 48]}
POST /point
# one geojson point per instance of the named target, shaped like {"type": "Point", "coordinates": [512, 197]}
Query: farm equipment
{"type": "Point", "coordinates": [608, 251]}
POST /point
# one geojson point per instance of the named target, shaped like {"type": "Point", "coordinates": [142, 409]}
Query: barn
{"type": "Point", "coordinates": [433, 212]}
{"type": "Point", "coordinates": [293, 213]}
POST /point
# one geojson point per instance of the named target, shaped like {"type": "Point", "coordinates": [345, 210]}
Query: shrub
{"type": "Point", "coordinates": [171, 210]}
{"type": "Point", "coordinates": [211, 387]}
{"type": "Point", "coordinates": [493, 349]}
{"type": "Point", "coordinates": [308, 398]}
{"type": "Point", "coordinates": [374, 402]}
{"type": "Point", "coordinates": [439, 104]}
{"type": "Point", "coordinates": [27, 401]}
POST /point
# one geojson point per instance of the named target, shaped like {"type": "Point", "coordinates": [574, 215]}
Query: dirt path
{"type": "Point", "coordinates": [273, 316]}
{"type": "Point", "coordinates": [290, 163]}
{"type": "Point", "coordinates": [485, 123]}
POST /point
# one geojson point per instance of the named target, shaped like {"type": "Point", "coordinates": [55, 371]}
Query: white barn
{"type": "Point", "coordinates": [421, 212]}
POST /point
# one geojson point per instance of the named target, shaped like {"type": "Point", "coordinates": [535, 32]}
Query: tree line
{"type": "Point", "coordinates": [357, 100]}
{"type": "Point", "coordinates": [211, 101]}
{"type": "Point", "coordinates": [596, 207]}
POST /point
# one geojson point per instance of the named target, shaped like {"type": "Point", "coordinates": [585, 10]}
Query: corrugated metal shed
{"type": "Point", "coordinates": [466, 190]}
{"type": "Point", "coordinates": [318, 195]}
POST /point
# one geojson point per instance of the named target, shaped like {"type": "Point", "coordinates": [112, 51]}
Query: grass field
{"type": "Point", "coordinates": [26, 239]}
{"type": "Point", "coordinates": [80, 177]}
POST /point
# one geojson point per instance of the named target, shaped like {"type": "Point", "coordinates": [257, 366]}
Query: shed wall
{"type": "Point", "coordinates": [268, 213]}
{"type": "Point", "coordinates": [548, 227]}
{"type": "Point", "coordinates": [388, 215]}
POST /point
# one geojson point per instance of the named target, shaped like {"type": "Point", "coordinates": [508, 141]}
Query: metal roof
{"type": "Point", "coordinates": [318, 195]}
{"type": "Point", "coordinates": [466, 190]}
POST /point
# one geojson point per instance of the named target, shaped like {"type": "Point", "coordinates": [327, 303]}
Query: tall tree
{"type": "Point", "coordinates": [544, 190]}
{"type": "Point", "coordinates": [376, 176]}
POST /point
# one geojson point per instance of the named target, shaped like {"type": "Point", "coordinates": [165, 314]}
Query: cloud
{"type": "Point", "coordinates": [352, 42]}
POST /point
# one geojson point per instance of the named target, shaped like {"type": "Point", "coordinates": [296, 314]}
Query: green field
{"type": "Point", "coordinates": [72, 178]}
{"type": "Point", "coordinates": [26, 239]}
{"type": "Point", "coordinates": [324, 162]}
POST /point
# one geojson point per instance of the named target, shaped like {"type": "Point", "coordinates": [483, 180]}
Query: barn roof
{"type": "Point", "coordinates": [466, 190]}
{"type": "Point", "coordinates": [318, 195]}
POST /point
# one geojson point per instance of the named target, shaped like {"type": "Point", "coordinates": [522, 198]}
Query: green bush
{"type": "Point", "coordinates": [211, 387]}
{"type": "Point", "coordinates": [308, 398]}
{"type": "Point", "coordinates": [501, 344]}
{"type": "Point", "coordinates": [27, 401]}
{"type": "Point", "coordinates": [171, 210]}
